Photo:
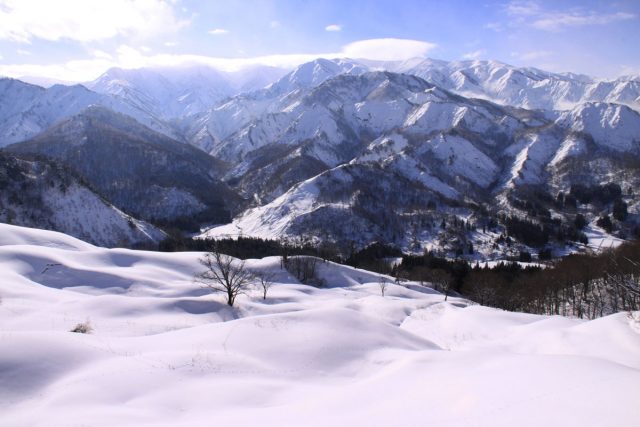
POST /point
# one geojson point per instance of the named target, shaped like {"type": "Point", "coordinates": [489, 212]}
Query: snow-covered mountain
{"type": "Point", "coordinates": [529, 88]}
{"type": "Point", "coordinates": [176, 92]}
{"type": "Point", "coordinates": [335, 122]}
{"type": "Point", "coordinates": [26, 110]}
{"type": "Point", "coordinates": [141, 171]}
{"type": "Point", "coordinates": [375, 140]}
{"type": "Point", "coordinates": [207, 129]}
{"type": "Point", "coordinates": [37, 193]}
{"type": "Point", "coordinates": [475, 139]}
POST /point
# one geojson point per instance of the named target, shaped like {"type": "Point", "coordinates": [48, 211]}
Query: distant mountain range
{"type": "Point", "coordinates": [344, 150]}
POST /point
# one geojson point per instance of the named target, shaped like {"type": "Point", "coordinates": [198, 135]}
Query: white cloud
{"type": "Point", "coordinates": [495, 26]}
{"type": "Point", "coordinates": [96, 53]}
{"type": "Point", "coordinates": [333, 27]}
{"type": "Point", "coordinates": [85, 20]}
{"type": "Point", "coordinates": [171, 44]}
{"type": "Point", "coordinates": [218, 31]}
{"type": "Point", "coordinates": [387, 49]}
{"type": "Point", "coordinates": [523, 8]}
{"type": "Point", "coordinates": [128, 57]}
{"type": "Point", "coordinates": [73, 71]}
{"type": "Point", "coordinates": [559, 21]}
{"type": "Point", "coordinates": [1, 57]}
{"type": "Point", "coordinates": [23, 52]}
{"type": "Point", "coordinates": [274, 24]}
{"type": "Point", "coordinates": [475, 54]}
{"type": "Point", "coordinates": [531, 14]}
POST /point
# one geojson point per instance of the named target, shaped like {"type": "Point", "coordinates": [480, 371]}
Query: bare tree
{"type": "Point", "coordinates": [224, 274]}
{"type": "Point", "coordinates": [442, 281]}
{"type": "Point", "coordinates": [265, 281]}
{"type": "Point", "coordinates": [383, 284]}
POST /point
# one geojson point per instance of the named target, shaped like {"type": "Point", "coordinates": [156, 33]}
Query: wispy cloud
{"type": "Point", "coordinates": [557, 22]}
{"type": "Point", "coordinates": [475, 54]}
{"type": "Point", "coordinates": [23, 52]}
{"type": "Point", "coordinates": [533, 15]}
{"type": "Point", "coordinates": [333, 27]}
{"type": "Point", "coordinates": [218, 31]}
{"type": "Point", "coordinates": [532, 55]}
{"type": "Point", "coordinates": [171, 44]}
{"type": "Point", "coordinates": [274, 24]}
{"type": "Point", "coordinates": [86, 20]}
{"type": "Point", "coordinates": [495, 26]}
{"type": "Point", "coordinates": [523, 8]}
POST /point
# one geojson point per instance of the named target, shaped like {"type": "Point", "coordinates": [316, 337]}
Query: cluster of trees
{"type": "Point", "coordinates": [251, 247]}
{"type": "Point", "coordinates": [229, 275]}
{"type": "Point", "coordinates": [582, 285]}
{"type": "Point", "coordinates": [304, 268]}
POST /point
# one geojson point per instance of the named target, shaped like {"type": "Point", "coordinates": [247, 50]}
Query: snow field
{"type": "Point", "coordinates": [165, 352]}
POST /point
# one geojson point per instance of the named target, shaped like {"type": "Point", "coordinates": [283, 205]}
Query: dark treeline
{"type": "Point", "coordinates": [250, 247]}
{"type": "Point", "coordinates": [581, 285]}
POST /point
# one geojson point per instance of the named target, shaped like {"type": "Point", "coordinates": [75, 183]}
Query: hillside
{"type": "Point", "coordinates": [38, 193]}
{"type": "Point", "coordinates": [141, 171]}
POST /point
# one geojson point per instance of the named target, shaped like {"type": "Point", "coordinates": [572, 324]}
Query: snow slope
{"type": "Point", "coordinates": [163, 352]}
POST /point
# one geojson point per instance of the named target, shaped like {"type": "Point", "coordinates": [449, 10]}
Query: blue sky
{"type": "Point", "coordinates": [77, 40]}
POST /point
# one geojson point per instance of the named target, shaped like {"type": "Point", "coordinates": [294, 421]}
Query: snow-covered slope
{"type": "Point", "coordinates": [613, 127]}
{"type": "Point", "coordinates": [164, 352]}
{"type": "Point", "coordinates": [39, 194]}
{"type": "Point", "coordinates": [309, 131]}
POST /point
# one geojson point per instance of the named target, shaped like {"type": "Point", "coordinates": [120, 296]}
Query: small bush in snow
{"type": "Point", "coordinates": [82, 328]}
{"type": "Point", "coordinates": [383, 285]}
